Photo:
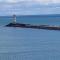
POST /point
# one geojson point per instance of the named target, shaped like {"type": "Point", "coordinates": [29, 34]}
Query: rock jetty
{"type": "Point", "coordinates": [33, 26]}
{"type": "Point", "coordinates": [22, 25]}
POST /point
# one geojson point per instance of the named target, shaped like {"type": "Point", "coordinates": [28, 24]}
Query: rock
{"type": "Point", "coordinates": [33, 26]}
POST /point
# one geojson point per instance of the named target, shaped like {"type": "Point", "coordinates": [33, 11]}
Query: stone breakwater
{"type": "Point", "coordinates": [48, 27]}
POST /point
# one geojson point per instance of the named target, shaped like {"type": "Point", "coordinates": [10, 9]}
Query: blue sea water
{"type": "Point", "coordinates": [27, 43]}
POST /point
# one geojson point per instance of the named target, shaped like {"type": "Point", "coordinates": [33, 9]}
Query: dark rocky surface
{"type": "Point", "coordinates": [33, 26]}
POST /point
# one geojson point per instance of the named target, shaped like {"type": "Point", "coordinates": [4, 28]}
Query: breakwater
{"type": "Point", "coordinates": [33, 26]}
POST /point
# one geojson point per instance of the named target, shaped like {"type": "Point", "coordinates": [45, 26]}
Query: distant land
{"type": "Point", "coordinates": [47, 15]}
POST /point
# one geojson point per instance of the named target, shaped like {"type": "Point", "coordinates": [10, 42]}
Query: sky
{"type": "Point", "coordinates": [29, 7]}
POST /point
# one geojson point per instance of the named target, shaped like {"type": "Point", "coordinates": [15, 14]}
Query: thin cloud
{"type": "Point", "coordinates": [38, 1]}
{"type": "Point", "coordinates": [29, 7]}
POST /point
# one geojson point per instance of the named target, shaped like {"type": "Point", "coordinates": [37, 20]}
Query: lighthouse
{"type": "Point", "coordinates": [14, 19]}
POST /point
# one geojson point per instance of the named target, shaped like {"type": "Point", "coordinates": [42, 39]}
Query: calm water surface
{"type": "Point", "coordinates": [29, 44]}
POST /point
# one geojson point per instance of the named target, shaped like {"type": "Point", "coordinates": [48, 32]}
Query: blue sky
{"type": "Point", "coordinates": [29, 7]}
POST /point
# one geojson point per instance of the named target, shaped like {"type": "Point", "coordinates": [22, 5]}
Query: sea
{"type": "Point", "coordinates": [27, 43]}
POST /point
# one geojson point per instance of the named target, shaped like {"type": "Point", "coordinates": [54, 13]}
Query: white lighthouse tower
{"type": "Point", "coordinates": [14, 19]}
